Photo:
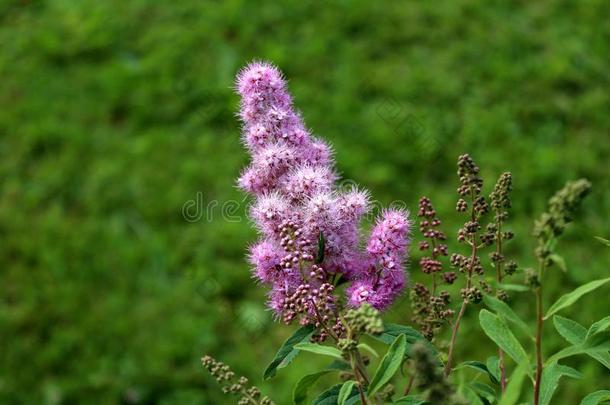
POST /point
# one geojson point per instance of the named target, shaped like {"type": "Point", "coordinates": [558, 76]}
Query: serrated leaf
{"type": "Point", "coordinates": [331, 396]}
{"type": "Point", "coordinates": [299, 394]}
{"type": "Point", "coordinates": [369, 349]}
{"type": "Point", "coordinates": [345, 392]}
{"type": "Point", "coordinates": [506, 312]}
{"type": "Point", "coordinates": [497, 330]}
{"type": "Point", "coordinates": [599, 326]}
{"type": "Point", "coordinates": [596, 397]}
{"type": "Point", "coordinates": [319, 349]}
{"type": "Point", "coordinates": [571, 330]}
{"type": "Point", "coordinates": [409, 400]}
{"type": "Point", "coordinates": [483, 391]}
{"type": "Point", "coordinates": [480, 367]}
{"type": "Point", "coordinates": [389, 364]}
{"type": "Point", "coordinates": [513, 388]}
{"type": "Point", "coordinates": [493, 366]}
{"type": "Point", "coordinates": [551, 375]}
{"type": "Point", "coordinates": [570, 298]}
{"type": "Point", "coordinates": [321, 247]}
{"type": "Point", "coordinates": [287, 352]}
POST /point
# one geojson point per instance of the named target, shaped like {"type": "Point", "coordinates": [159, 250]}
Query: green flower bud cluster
{"type": "Point", "coordinates": [562, 207]}
{"type": "Point", "coordinates": [364, 319]}
{"type": "Point", "coordinates": [232, 385]}
{"type": "Point", "coordinates": [430, 380]}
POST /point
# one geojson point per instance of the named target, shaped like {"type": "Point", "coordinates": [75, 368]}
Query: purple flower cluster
{"type": "Point", "coordinates": [297, 200]}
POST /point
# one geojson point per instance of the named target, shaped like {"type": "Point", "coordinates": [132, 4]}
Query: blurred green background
{"type": "Point", "coordinates": [117, 116]}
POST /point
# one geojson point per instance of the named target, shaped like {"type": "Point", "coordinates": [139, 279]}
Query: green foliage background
{"type": "Point", "coordinates": [114, 114]}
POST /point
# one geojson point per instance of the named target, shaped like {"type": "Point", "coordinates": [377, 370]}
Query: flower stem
{"type": "Point", "coordinates": [539, 322]}
{"type": "Point", "coordinates": [454, 332]}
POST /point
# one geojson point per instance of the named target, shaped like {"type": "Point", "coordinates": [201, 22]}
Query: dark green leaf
{"type": "Point", "coordinates": [392, 330]}
{"type": "Point", "coordinates": [493, 367]}
{"type": "Point", "coordinates": [331, 396]}
{"type": "Point", "coordinates": [484, 391]}
{"type": "Point", "coordinates": [502, 309]}
{"type": "Point", "coordinates": [287, 352]}
{"type": "Point", "coordinates": [551, 375]}
{"type": "Point", "coordinates": [513, 388]}
{"type": "Point", "coordinates": [321, 247]}
{"type": "Point", "coordinates": [345, 392]}
{"type": "Point", "coordinates": [319, 349]}
{"type": "Point", "coordinates": [570, 298]}
{"type": "Point", "coordinates": [409, 400]}
{"type": "Point", "coordinates": [571, 330]}
{"type": "Point", "coordinates": [299, 394]}
{"type": "Point", "coordinates": [596, 397]}
{"type": "Point", "coordinates": [496, 329]}
{"type": "Point", "coordinates": [480, 367]}
{"type": "Point", "coordinates": [389, 364]}
{"type": "Point", "coordinates": [599, 326]}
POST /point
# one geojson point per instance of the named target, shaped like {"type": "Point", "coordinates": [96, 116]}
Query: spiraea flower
{"type": "Point", "coordinates": [310, 229]}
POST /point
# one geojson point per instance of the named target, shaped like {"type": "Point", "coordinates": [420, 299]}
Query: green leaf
{"type": "Point", "coordinates": [389, 364]}
{"type": "Point", "coordinates": [597, 346]}
{"type": "Point", "coordinates": [392, 330]}
{"type": "Point", "coordinates": [483, 391]}
{"type": "Point", "coordinates": [319, 349]}
{"type": "Point", "coordinates": [299, 394]}
{"type": "Point", "coordinates": [570, 298]}
{"type": "Point", "coordinates": [369, 349]}
{"type": "Point", "coordinates": [599, 326]}
{"type": "Point", "coordinates": [506, 312]}
{"type": "Point", "coordinates": [551, 375]}
{"type": "Point", "coordinates": [596, 397]}
{"type": "Point", "coordinates": [480, 367]}
{"type": "Point", "coordinates": [345, 392]}
{"type": "Point", "coordinates": [470, 395]}
{"type": "Point", "coordinates": [604, 241]}
{"type": "Point", "coordinates": [513, 388]}
{"type": "Point", "coordinates": [496, 329]}
{"type": "Point", "coordinates": [331, 396]}
{"type": "Point", "coordinates": [559, 261]}
{"type": "Point", "coordinates": [409, 400]}
{"type": "Point", "coordinates": [321, 247]}
{"type": "Point", "coordinates": [571, 330]}
{"type": "Point", "coordinates": [493, 367]}
{"type": "Point", "coordinates": [513, 287]}
{"type": "Point", "coordinates": [287, 352]}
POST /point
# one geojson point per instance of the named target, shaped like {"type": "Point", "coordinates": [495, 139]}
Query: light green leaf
{"type": "Point", "coordinates": [287, 352]}
{"type": "Point", "coordinates": [319, 349]}
{"type": "Point", "coordinates": [369, 349]}
{"type": "Point", "coordinates": [299, 394]}
{"type": "Point", "coordinates": [483, 391]}
{"type": "Point", "coordinates": [597, 346]}
{"type": "Point", "coordinates": [389, 364]}
{"type": "Point", "coordinates": [470, 395]}
{"type": "Point", "coordinates": [559, 261]}
{"type": "Point", "coordinates": [604, 241]}
{"type": "Point", "coordinates": [571, 330]}
{"type": "Point", "coordinates": [345, 392]}
{"type": "Point", "coordinates": [409, 400]}
{"type": "Point", "coordinates": [506, 312]}
{"type": "Point", "coordinates": [496, 329]}
{"type": "Point", "coordinates": [331, 396]}
{"type": "Point", "coordinates": [392, 330]}
{"type": "Point", "coordinates": [513, 287]}
{"type": "Point", "coordinates": [513, 388]}
{"type": "Point", "coordinates": [551, 375]}
{"type": "Point", "coordinates": [596, 397]}
{"type": "Point", "coordinates": [480, 367]}
{"type": "Point", "coordinates": [570, 298]}
{"type": "Point", "coordinates": [599, 326]}
{"type": "Point", "coordinates": [493, 367]}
